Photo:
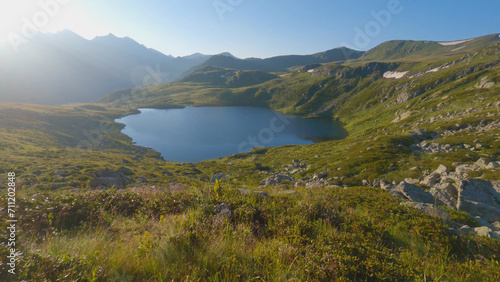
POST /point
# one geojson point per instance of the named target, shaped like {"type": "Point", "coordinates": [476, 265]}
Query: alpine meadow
{"type": "Point", "coordinates": [409, 190]}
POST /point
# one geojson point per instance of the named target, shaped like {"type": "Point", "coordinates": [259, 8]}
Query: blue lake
{"type": "Point", "coordinates": [194, 134]}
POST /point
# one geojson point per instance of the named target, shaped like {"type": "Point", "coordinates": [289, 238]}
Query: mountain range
{"type": "Point", "coordinates": [64, 67]}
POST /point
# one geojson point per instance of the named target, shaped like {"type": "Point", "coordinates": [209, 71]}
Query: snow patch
{"type": "Point", "coordinates": [394, 74]}
{"type": "Point", "coordinates": [310, 71]}
{"type": "Point", "coordinates": [437, 69]}
{"type": "Point", "coordinates": [452, 43]}
{"type": "Point", "coordinates": [456, 49]}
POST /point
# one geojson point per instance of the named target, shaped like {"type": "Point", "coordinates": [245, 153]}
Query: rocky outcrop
{"type": "Point", "coordinates": [420, 134]}
{"type": "Point", "coordinates": [485, 82]}
{"type": "Point", "coordinates": [480, 198]}
{"type": "Point", "coordinates": [453, 189]}
{"type": "Point", "coordinates": [432, 147]}
{"type": "Point", "coordinates": [276, 179]}
{"type": "Point", "coordinates": [296, 167]}
{"type": "Point", "coordinates": [413, 193]}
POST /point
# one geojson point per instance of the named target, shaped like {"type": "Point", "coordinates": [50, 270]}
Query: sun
{"type": "Point", "coordinates": [24, 18]}
{"type": "Point", "coordinates": [11, 16]}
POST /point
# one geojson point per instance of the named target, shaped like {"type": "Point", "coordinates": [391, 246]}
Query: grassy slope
{"type": "Point", "coordinates": [322, 234]}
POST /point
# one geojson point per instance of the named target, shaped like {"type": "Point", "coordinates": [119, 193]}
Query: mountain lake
{"type": "Point", "coordinates": [194, 134]}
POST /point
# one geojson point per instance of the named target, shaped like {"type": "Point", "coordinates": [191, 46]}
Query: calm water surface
{"type": "Point", "coordinates": [197, 134]}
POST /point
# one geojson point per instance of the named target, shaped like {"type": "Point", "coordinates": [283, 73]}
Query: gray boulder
{"type": "Point", "coordinates": [446, 193]}
{"type": "Point", "coordinates": [431, 179]}
{"type": "Point", "coordinates": [442, 170]}
{"type": "Point", "coordinates": [224, 210]}
{"type": "Point", "coordinates": [483, 231]}
{"type": "Point", "coordinates": [482, 163]}
{"type": "Point", "coordinates": [462, 169]}
{"type": "Point", "coordinates": [480, 198]}
{"type": "Point", "coordinates": [276, 179]}
{"type": "Point", "coordinates": [414, 193]}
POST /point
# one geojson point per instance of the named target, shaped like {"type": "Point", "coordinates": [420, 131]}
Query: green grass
{"type": "Point", "coordinates": [322, 234]}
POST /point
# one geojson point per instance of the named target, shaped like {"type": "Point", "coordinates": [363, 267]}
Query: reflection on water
{"type": "Point", "coordinates": [196, 134]}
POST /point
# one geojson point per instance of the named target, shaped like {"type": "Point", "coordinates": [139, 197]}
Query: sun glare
{"type": "Point", "coordinates": [23, 18]}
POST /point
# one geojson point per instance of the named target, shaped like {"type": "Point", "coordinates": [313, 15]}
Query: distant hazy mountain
{"type": "Point", "coordinates": [282, 63]}
{"type": "Point", "coordinates": [64, 67]}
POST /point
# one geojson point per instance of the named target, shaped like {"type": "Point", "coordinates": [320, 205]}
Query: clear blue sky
{"type": "Point", "coordinates": [262, 28]}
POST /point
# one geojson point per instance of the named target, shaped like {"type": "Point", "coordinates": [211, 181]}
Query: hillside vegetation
{"type": "Point", "coordinates": [332, 211]}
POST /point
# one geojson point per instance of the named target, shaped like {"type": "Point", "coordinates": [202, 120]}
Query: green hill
{"type": "Point", "coordinates": [426, 50]}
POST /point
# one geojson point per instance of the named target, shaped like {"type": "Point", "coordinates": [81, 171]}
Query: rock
{"type": "Point", "coordinates": [382, 183]}
{"type": "Point", "coordinates": [412, 181]}
{"type": "Point", "coordinates": [483, 231]}
{"type": "Point", "coordinates": [414, 193]}
{"type": "Point", "coordinates": [274, 180]}
{"type": "Point", "coordinates": [446, 193]}
{"type": "Point", "coordinates": [496, 225]}
{"type": "Point", "coordinates": [124, 161]}
{"type": "Point", "coordinates": [420, 134]}
{"type": "Point", "coordinates": [482, 163]}
{"type": "Point", "coordinates": [125, 171]}
{"type": "Point", "coordinates": [258, 166]}
{"type": "Point", "coordinates": [401, 117]}
{"type": "Point", "coordinates": [462, 169]}
{"type": "Point", "coordinates": [492, 165]}
{"type": "Point", "coordinates": [218, 176]}
{"type": "Point", "coordinates": [495, 235]}
{"type": "Point", "coordinates": [61, 173]}
{"type": "Point", "coordinates": [109, 179]}
{"type": "Point", "coordinates": [299, 183]}
{"type": "Point", "coordinates": [466, 229]}
{"type": "Point", "coordinates": [442, 170]}
{"type": "Point", "coordinates": [321, 175]}
{"type": "Point", "coordinates": [480, 198]}
{"type": "Point", "coordinates": [224, 210]}
{"type": "Point", "coordinates": [429, 209]}
{"type": "Point", "coordinates": [432, 179]}
{"type": "Point", "coordinates": [485, 83]}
